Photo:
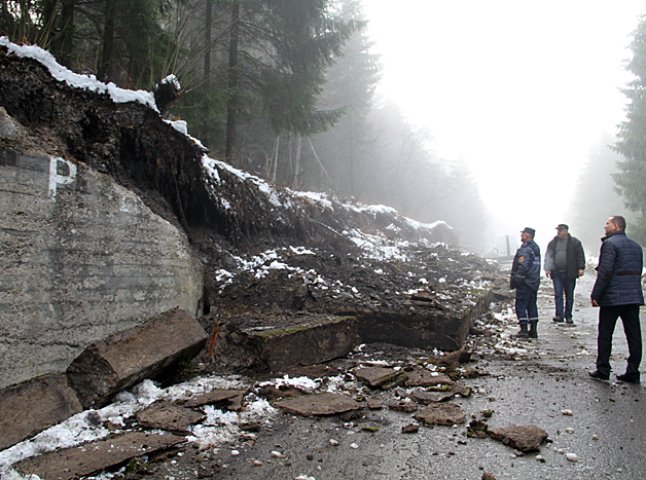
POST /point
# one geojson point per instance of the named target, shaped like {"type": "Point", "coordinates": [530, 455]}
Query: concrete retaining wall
{"type": "Point", "coordinates": [80, 258]}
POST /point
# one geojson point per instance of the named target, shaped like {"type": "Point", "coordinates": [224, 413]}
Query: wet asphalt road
{"type": "Point", "coordinates": [606, 430]}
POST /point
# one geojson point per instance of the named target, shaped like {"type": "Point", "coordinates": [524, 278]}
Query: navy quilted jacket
{"type": "Point", "coordinates": [619, 272]}
{"type": "Point", "coordinates": [526, 267]}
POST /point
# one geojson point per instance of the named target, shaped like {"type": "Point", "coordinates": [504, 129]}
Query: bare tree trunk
{"type": "Point", "coordinates": [207, 42]}
{"type": "Point", "coordinates": [324, 173]}
{"type": "Point", "coordinates": [46, 37]}
{"type": "Point", "coordinates": [107, 45]}
{"type": "Point", "coordinates": [232, 105]}
{"type": "Point", "coordinates": [296, 183]}
{"type": "Point", "coordinates": [272, 170]}
{"type": "Point", "coordinates": [23, 31]}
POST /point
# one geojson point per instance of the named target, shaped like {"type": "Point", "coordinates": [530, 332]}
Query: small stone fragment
{"type": "Point", "coordinates": [540, 458]}
{"type": "Point", "coordinates": [567, 411]}
{"type": "Point", "coordinates": [410, 428]}
{"type": "Point", "coordinates": [333, 442]}
{"type": "Point", "coordinates": [488, 476]}
{"type": "Point", "coordinates": [277, 454]}
{"type": "Point", "coordinates": [571, 457]}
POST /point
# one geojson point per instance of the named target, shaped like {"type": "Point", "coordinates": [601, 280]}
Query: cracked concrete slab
{"type": "Point", "coordinates": [320, 404]}
{"type": "Point", "coordinates": [421, 377]}
{"type": "Point", "coordinates": [223, 398]}
{"type": "Point", "coordinates": [32, 406]}
{"type": "Point", "coordinates": [169, 417]}
{"type": "Point", "coordinates": [97, 456]}
{"type": "Point", "coordinates": [377, 376]}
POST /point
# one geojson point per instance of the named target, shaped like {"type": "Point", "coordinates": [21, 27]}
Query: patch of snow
{"type": "Point", "coordinates": [83, 82]}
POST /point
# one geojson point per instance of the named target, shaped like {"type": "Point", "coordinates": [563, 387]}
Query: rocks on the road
{"type": "Point", "coordinates": [320, 404]}
{"type": "Point", "coordinates": [526, 438]}
{"type": "Point", "coordinates": [447, 414]}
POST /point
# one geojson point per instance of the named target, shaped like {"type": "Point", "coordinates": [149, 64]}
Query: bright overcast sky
{"type": "Point", "coordinates": [519, 90]}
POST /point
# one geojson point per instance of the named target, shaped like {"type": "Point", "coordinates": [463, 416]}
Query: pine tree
{"type": "Point", "coordinates": [631, 178]}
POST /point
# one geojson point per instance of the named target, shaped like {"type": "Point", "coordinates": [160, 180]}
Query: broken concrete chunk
{"type": "Point", "coordinates": [123, 359]}
{"type": "Point", "coordinates": [169, 417]}
{"type": "Point", "coordinates": [95, 457]}
{"type": "Point", "coordinates": [440, 395]}
{"type": "Point", "coordinates": [408, 407]}
{"type": "Point", "coordinates": [319, 404]}
{"type": "Point", "coordinates": [221, 398]}
{"type": "Point", "coordinates": [441, 414]}
{"type": "Point", "coordinates": [421, 377]}
{"type": "Point", "coordinates": [451, 359]}
{"type": "Point", "coordinates": [526, 438]}
{"type": "Point", "coordinates": [377, 376]}
{"type": "Point", "coordinates": [33, 406]}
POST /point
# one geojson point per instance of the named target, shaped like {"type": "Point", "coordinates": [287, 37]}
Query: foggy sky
{"type": "Point", "coordinates": [519, 91]}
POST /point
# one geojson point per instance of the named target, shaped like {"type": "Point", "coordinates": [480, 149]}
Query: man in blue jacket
{"type": "Point", "coordinates": [525, 278]}
{"type": "Point", "coordinates": [618, 293]}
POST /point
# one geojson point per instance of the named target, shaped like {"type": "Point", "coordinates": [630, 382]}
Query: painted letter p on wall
{"type": "Point", "coordinates": [55, 179]}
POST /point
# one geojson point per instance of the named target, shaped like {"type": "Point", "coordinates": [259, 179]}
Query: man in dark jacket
{"type": "Point", "coordinates": [564, 263]}
{"type": "Point", "coordinates": [525, 278]}
{"type": "Point", "coordinates": [618, 293]}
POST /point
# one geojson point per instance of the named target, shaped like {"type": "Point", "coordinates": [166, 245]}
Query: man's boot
{"type": "Point", "coordinates": [533, 330]}
{"type": "Point", "coordinates": [523, 332]}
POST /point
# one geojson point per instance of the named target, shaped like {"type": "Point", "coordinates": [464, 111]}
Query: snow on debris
{"type": "Point", "coordinates": [84, 82]}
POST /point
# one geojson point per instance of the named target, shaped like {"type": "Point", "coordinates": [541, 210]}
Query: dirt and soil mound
{"type": "Point", "coordinates": [268, 252]}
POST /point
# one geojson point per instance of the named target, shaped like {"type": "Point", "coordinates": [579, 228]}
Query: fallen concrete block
{"type": "Point", "coordinates": [33, 406]}
{"type": "Point", "coordinates": [429, 328]}
{"type": "Point", "coordinates": [123, 359]}
{"type": "Point", "coordinates": [96, 456]}
{"type": "Point", "coordinates": [308, 343]}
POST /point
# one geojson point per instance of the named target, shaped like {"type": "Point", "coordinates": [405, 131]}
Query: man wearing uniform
{"type": "Point", "coordinates": [618, 293]}
{"type": "Point", "coordinates": [564, 263]}
{"type": "Point", "coordinates": [525, 278]}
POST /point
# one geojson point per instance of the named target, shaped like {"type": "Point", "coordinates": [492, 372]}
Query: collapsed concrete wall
{"type": "Point", "coordinates": [81, 258]}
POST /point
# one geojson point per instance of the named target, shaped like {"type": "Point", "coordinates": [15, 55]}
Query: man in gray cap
{"type": "Point", "coordinates": [564, 263]}
{"type": "Point", "coordinates": [525, 278]}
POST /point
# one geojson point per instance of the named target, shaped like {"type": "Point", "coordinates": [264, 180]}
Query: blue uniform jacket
{"type": "Point", "coordinates": [619, 272]}
{"type": "Point", "coordinates": [526, 268]}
